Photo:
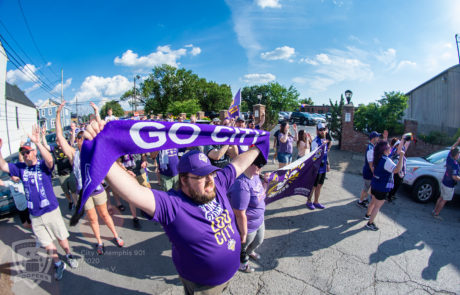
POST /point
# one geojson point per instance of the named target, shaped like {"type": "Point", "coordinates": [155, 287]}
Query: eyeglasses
{"type": "Point", "coordinates": [202, 177]}
{"type": "Point", "coordinates": [25, 152]}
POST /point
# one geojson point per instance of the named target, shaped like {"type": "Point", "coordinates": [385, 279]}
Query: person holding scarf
{"type": "Point", "coordinates": [382, 181]}
{"type": "Point", "coordinates": [286, 141]}
{"type": "Point", "coordinates": [197, 218]}
{"type": "Point", "coordinates": [47, 222]}
{"type": "Point", "coordinates": [398, 178]}
{"type": "Point", "coordinates": [97, 203]}
{"type": "Point", "coordinates": [449, 180]}
{"type": "Point", "coordinates": [247, 197]}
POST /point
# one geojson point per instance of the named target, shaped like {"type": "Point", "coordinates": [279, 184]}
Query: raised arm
{"type": "Point", "coordinates": [216, 154]}
{"type": "Point", "coordinates": [456, 144]}
{"type": "Point", "coordinates": [401, 155]}
{"type": "Point", "coordinates": [3, 164]}
{"type": "Point", "coordinates": [35, 138]}
{"type": "Point", "coordinates": [66, 148]}
{"type": "Point", "coordinates": [244, 160]}
{"type": "Point", "coordinates": [43, 138]}
{"type": "Point", "coordinates": [121, 182]}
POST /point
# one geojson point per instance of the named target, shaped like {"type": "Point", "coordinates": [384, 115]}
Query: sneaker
{"type": "Point", "coordinates": [366, 217]}
{"type": "Point", "coordinates": [59, 271]}
{"type": "Point", "coordinates": [73, 262]}
{"type": "Point", "coordinates": [362, 204]}
{"type": "Point", "coordinates": [372, 226]}
{"type": "Point", "coordinates": [119, 242]}
{"type": "Point", "coordinates": [244, 267]}
{"type": "Point", "coordinates": [436, 215]}
{"type": "Point", "coordinates": [310, 206]}
{"type": "Point", "coordinates": [100, 249]}
{"type": "Point", "coordinates": [318, 206]}
{"type": "Point", "coordinates": [70, 206]}
{"type": "Point", "coordinates": [255, 256]}
{"type": "Point", "coordinates": [136, 223]}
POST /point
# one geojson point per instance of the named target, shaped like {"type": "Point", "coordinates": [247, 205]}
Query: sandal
{"type": "Point", "coordinates": [100, 249]}
{"type": "Point", "coordinates": [119, 242]}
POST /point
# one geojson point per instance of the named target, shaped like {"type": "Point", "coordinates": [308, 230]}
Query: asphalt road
{"type": "Point", "coordinates": [305, 252]}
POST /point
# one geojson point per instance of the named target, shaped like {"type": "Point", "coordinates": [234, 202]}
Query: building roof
{"type": "Point", "coordinates": [49, 103]}
{"type": "Point", "coordinates": [435, 77]}
{"type": "Point", "coordinates": [13, 93]}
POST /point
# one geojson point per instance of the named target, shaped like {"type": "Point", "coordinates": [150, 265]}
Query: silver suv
{"type": "Point", "coordinates": [425, 175]}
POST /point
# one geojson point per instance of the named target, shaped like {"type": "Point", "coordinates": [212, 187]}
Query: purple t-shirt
{"type": "Point", "coordinates": [287, 146]}
{"type": "Point", "coordinates": [205, 241]}
{"type": "Point", "coordinates": [37, 181]}
{"type": "Point", "coordinates": [249, 194]}
{"type": "Point", "coordinates": [452, 168]}
{"type": "Point", "coordinates": [171, 168]}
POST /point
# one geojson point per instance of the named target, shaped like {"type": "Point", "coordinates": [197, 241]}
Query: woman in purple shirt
{"type": "Point", "coordinates": [286, 141]}
{"type": "Point", "coordinates": [247, 196]}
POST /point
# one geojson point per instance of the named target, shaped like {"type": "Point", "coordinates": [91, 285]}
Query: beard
{"type": "Point", "coordinates": [207, 196]}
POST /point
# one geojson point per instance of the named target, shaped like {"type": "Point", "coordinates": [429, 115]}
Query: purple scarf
{"type": "Point", "coordinates": [136, 137]}
{"type": "Point", "coordinates": [295, 179]}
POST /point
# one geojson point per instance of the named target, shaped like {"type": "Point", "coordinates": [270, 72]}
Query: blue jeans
{"type": "Point", "coordinates": [284, 157]}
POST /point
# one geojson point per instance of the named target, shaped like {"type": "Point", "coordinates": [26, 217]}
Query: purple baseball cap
{"type": "Point", "coordinates": [374, 134]}
{"type": "Point", "coordinates": [197, 163]}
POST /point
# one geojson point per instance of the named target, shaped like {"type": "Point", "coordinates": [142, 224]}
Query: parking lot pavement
{"type": "Point", "coordinates": [304, 252]}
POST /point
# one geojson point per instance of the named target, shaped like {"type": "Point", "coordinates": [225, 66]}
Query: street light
{"type": "Point", "coordinates": [259, 96]}
{"type": "Point", "coordinates": [348, 95]}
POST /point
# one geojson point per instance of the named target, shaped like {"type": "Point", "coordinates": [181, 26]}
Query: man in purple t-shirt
{"type": "Point", "coordinates": [197, 218]}
{"type": "Point", "coordinates": [47, 222]}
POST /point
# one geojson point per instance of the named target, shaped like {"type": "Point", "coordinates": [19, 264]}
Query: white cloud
{"type": "Point", "coordinates": [284, 52]}
{"type": "Point", "coordinates": [163, 55]}
{"type": "Point", "coordinates": [32, 88]}
{"type": "Point", "coordinates": [48, 64]}
{"type": "Point", "coordinates": [388, 57]}
{"type": "Point", "coordinates": [259, 78]}
{"type": "Point", "coordinates": [57, 88]}
{"type": "Point", "coordinates": [25, 74]}
{"type": "Point", "coordinates": [95, 87]}
{"type": "Point", "coordinates": [195, 51]}
{"type": "Point", "coordinates": [309, 61]}
{"type": "Point", "coordinates": [405, 64]}
{"type": "Point", "coordinates": [268, 3]}
{"type": "Point", "coordinates": [323, 58]}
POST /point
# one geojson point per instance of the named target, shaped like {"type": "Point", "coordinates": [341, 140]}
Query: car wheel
{"type": "Point", "coordinates": [424, 190]}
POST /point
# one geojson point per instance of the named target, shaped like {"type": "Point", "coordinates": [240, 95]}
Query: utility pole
{"type": "Point", "coordinates": [62, 85]}
{"type": "Point", "coordinates": [134, 95]}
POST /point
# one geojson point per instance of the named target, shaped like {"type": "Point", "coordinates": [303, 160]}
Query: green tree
{"type": "Point", "coordinates": [385, 114]}
{"type": "Point", "coordinates": [117, 110]}
{"type": "Point", "coordinates": [275, 97]}
{"type": "Point", "coordinates": [167, 84]}
{"type": "Point", "coordinates": [191, 106]}
{"type": "Point", "coordinates": [308, 101]}
{"type": "Point", "coordinates": [335, 125]}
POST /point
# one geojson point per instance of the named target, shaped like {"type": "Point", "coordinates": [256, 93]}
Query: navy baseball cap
{"type": "Point", "coordinates": [374, 134]}
{"type": "Point", "coordinates": [197, 163]}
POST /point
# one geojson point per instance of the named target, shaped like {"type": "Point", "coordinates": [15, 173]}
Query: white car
{"type": "Point", "coordinates": [425, 175]}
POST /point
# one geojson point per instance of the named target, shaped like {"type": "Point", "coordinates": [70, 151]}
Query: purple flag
{"type": "Point", "coordinates": [136, 137]}
{"type": "Point", "coordinates": [234, 110]}
{"type": "Point", "coordinates": [295, 179]}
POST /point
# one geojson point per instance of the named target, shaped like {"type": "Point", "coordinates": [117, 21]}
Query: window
{"type": "Point", "coordinates": [43, 112]}
{"type": "Point", "coordinates": [49, 111]}
{"type": "Point", "coordinates": [53, 122]}
{"type": "Point", "coordinates": [17, 119]}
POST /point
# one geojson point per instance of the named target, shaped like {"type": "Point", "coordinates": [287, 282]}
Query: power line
{"type": "Point", "coordinates": [32, 37]}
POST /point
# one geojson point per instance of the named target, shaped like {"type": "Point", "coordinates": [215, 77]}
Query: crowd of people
{"type": "Point", "coordinates": [211, 202]}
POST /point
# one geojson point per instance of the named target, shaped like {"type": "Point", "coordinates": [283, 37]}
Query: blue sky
{"type": "Point", "coordinates": [322, 47]}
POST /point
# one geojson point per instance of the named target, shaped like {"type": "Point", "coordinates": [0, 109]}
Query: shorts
{"type": "Point", "coordinates": [367, 184]}
{"type": "Point", "coordinates": [284, 157]}
{"type": "Point", "coordinates": [142, 179]}
{"type": "Point", "coordinates": [68, 183]}
{"type": "Point", "coordinates": [320, 179]}
{"type": "Point", "coordinates": [24, 216]}
{"type": "Point", "coordinates": [168, 182]}
{"type": "Point", "coordinates": [195, 288]}
{"type": "Point", "coordinates": [447, 193]}
{"type": "Point", "coordinates": [379, 195]}
{"type": "Point", "coordinates": [96, 200]}
{"type": "Point", "coordinates": [49, 227]}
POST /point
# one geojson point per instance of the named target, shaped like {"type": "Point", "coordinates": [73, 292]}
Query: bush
{"type": "Point", "coordinates": [437, 137]}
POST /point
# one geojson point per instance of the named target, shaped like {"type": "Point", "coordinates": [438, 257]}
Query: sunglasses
{"type": "Point", "coordinates": [203, 177]}
{"type": "Point", "coordinates": [322, 129]}
{"type": "Point", "coordinates": [25, 152]}
{"type": "Point", "coordinates": [259, 165]}
{"type": "Point", "coordinates": [79, 136]}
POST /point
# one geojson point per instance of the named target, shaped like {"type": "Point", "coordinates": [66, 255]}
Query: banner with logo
{"type": "Point", "coordinates": [296, 178]}
{"type": "Point", "coordinates": [137, 137]}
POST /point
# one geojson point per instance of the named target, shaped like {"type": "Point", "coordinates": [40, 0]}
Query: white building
{"type": "Point", "coordinates": [17, 113]}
